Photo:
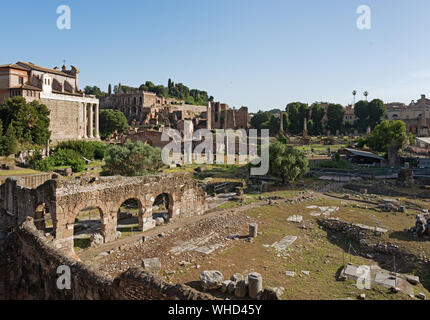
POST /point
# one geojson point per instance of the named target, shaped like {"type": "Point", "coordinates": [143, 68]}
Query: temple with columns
{"type": "Point", "coordinates": [74, 115]}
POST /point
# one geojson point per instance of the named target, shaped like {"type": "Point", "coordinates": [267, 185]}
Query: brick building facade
{"type": "Point", "coordinates": [73, 114]}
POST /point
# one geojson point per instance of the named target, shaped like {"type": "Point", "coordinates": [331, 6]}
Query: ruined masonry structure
{"type": "Point", "coordinates": [74, 115]}
{"type": "Point", "coordinates": [65, 199]}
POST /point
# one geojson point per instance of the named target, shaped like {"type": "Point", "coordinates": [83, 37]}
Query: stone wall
{"type": "Point", "coordinates": [66, 119]}
{"type": "Point", "coordinates": [65, 199]}
{"type": "Point", "coordinates": [31, 180]}
{"type": "Point", "coordinates": [28, 270]}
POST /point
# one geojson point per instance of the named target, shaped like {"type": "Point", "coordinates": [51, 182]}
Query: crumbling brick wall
{"type": "Point", "coordinates": [28, 270]}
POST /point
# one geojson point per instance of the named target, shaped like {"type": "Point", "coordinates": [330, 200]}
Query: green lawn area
{"type": "Point", "coordinates": [314, 251]}
{"type": "Point", "coordinates": [17, 172]}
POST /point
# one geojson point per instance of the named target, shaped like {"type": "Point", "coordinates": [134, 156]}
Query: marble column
{"type": "Point", "coordinates": [91, 121]}
{"type": "Point", "coordinates": [85, 122]}
{"type": "Point", "coordinates": [97, 121]}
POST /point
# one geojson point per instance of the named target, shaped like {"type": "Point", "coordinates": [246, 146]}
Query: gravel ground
{"type": "Point", "coordinates": [209, 231]}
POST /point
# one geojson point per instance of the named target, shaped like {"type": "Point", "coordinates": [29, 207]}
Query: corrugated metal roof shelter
{"type": "Point", "coordinates": [423, 142]}
{"type": "Point", "coordinates": [365, 154]}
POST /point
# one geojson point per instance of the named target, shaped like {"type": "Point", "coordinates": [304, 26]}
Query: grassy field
{"type": "Point", "coordinates": [313, 251]}
{"type": "Point", "coordinates": [17, 172]}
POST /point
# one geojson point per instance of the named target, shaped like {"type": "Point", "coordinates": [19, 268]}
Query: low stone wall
{"type": "Point", "coordinates": [29, 181]}
{"type": "Point", "coordinates": [368, 242]}
{"type": "Point", "coordinates": [28, 270]}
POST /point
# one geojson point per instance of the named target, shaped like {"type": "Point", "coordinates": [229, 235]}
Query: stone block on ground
{"type": "Point", "coordinates": [295, 218]}
{"type": "Point", "coordinates": [211, 279]}
{"type": "Point", "coordinates": [236, 277]}
{"type": "Point", "coordinates": [413, 280]}
{"type": "Point", "coordinates": [269, 294]}
{"type": "Point", "coordinates": [253, 230]}
{"type": "Point", "coordinates": [241, 290]}
{"type": "Point", "coordinates": [231, 287]}
{"type": "Point", "coordinates": [96, 240]}
{"type": "Point", "coordinates": [225, 284]}
{"type": "Point", "coordinates": [151, 265]}
{"type": "Point", "coordinates": [421, 296]}
{"type": "Point", "coordinates": [159, 221]}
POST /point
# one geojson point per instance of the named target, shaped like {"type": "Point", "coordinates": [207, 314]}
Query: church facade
{"type": "Point", "coordinates": [73, 114]}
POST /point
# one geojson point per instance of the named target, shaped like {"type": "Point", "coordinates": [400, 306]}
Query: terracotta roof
{"type": "Point", "coordinates": [31, 66]}
{"type": "Point", "coordinates": [26, 86]}
{"type": "Point", "coordinates": [13, 66]}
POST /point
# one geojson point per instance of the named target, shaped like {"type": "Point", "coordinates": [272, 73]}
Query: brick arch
{"type": "Point", "coordinates": [171, 197]}
{"type": "Point", "coordinates": [91, 204]}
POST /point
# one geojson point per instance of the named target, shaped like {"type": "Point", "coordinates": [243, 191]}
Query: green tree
{"type": "Point", "coordinates": [112, 121]}
{"type": "Point", "coordinates": [261, 120]}
{"type": "Point", "coordinates": [9, 142]}
{"type": "Point", "coordinates": [377, 111]}
{"type": "Point", "coordinates": [335, 113]}
{"type": "Point", "coordinates": [274, 125]}
{"type": "Point", "coordinates": [286, 162]}
{"type": "Point", "coordinates": [361, 112]}
{"type": "Point", "coordinates": [297, 112]}
{"type": "Point", "coordinates": [132, 159]}
{"type": "Point", "coordinates": [40, 133]}
{"type": "Point", "coordinates": [317, 117]}
{"type": "Point", "coordinates": [94, 90]}
{"type": "Point", "coordinates": [29, 120]}
{"type": "Point", "coordinates": [388, 135]}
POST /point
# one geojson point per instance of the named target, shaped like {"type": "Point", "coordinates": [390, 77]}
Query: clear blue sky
{"type": "Point", "coordinates": [244, 52]}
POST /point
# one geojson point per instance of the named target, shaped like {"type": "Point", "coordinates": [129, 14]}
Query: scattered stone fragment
{"type": "Point", "coordinates": [151, 265]}
{"type": "Point", "coordinates": [306, 272]}
{"type": "Point", "coordinates": [236, 277]}
{"type": "Point", "coordinates": [241, 289]}
{"type": "Point", "coordinates": [96, 239]}
{"type": "Point", "coordinates": [159, 221]}
{"type": "Point", "coordinates": [269, 294]}
{"type": "Point", "coordinates": [225, 285]}
{"type": "Point", "coordinates": [295, 218]}
{"type": "Point", "coordinates": [413, 279]}
{"type": "Point", "coordinates": [211, 280]}
{"type": "Point", "coordinates": [284, 243]}
{"type": "Point", "coordinates": [231, 287]}
{"type": "Point", "coordinates": [362, 296]}
{"type": "Point", "coordinates": [290, 273]}
{"type": "Point", "coordinates": [421, 296]}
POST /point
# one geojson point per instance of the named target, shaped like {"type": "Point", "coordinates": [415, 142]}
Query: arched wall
{"type": "Point", "coordinates": [66, 198]}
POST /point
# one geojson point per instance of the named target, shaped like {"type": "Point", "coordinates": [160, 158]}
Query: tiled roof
{"type": "Point", "coordinates": [32, 66]}
{"type": "Point", "coordinates": [26, 86]}
{"type": "Point", "coordinates": [13, 66]}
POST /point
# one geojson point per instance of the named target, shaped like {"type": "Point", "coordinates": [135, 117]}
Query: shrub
{"type": "Point", "coordinates": [341, 164]}
{"type": "Point", "coordinates": [286, 162]}
{"type": "Point", "coordinates": [112, 121]}
{"type": "Point", "coordinates": [92, 150]}
{"type": "Point", "coordinates": [61, 157]}
{"type": "Point", "coordinates": [132, 159]}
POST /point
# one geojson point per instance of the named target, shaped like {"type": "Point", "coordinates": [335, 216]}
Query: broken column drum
{"type": "Point", "coordinates": [253, 230]}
